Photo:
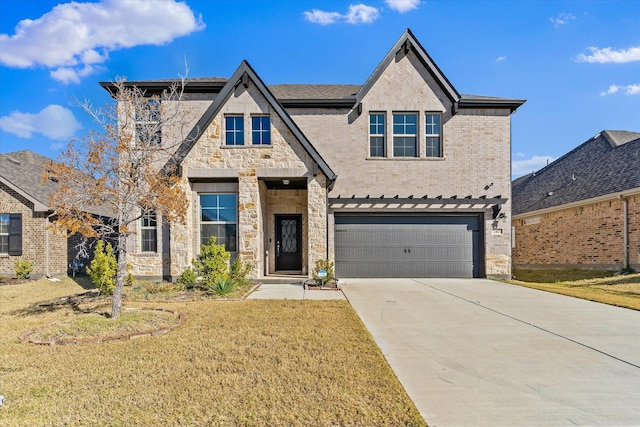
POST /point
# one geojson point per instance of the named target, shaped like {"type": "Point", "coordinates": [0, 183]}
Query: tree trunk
{"type": "Point", "coordinates": [116, 302]}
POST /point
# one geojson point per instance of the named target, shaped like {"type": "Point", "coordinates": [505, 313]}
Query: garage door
{"type": "Point", "coordinates": [408, 246]}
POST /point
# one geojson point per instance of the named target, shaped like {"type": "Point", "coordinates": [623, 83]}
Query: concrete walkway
{"type": "Point", "coordinates": [474, 352]}
{"type": "Point", "coordinates": [294, 291]}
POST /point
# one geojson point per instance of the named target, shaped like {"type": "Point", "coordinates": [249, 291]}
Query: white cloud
{"type": "Point", "coordinates": [356, 14]}
{"type": "Point", "coordinates": [521, 167]}
{"type": "Point", "coordinates": [361, 14]}
{"type": "Point", "coordinates": [402, 6]}
{"type": "Point", "coordinates": [53, 121]}
{"type": "Point", "coordinates": [323, 18]}
{"type": "Point", "coordinates": [561, 19]}
{"type": "Point", "coordinates": [609, 55]}
{"type": "Point", "coordinates": [73, 37]}
{"type": "Point", "coordinates": [628, 90]}
{"type": "Point", "coordinates": [501, 58]}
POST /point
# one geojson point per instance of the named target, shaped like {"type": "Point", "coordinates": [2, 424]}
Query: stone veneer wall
{"type": "Point", "coordinates": [241, 165]}
{"type": "Point", "coordinates": [34, 238]}
{"type": "Point", "coordinates": [588, 236]}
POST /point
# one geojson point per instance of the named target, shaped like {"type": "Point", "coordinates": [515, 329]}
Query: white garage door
{"type": "Point", "coordinates": [408, 246]}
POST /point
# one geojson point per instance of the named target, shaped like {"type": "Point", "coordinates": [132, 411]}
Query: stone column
{"type": "Point", "coordinates": [249, 221]}
{"type": "Point", "coordinates": [317, 219]}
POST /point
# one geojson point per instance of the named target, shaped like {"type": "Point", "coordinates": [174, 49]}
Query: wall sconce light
{"type": "Point", "coordinates": [286, 181]}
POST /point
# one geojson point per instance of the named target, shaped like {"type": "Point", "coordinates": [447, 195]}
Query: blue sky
{"type": "Point", "coordinates": [577, 63]}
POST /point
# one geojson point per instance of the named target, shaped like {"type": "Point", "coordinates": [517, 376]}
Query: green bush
{"type": "Point", "coordinates": [222, 285]}
{"type": "Point", "coordinates": [212, 262]}
{"type": "Point", "coordinates": [129, 280]}
{"type": "Point", "coordinates": [23, 269]}
{"type": "Point", "coordinates": [326, 265]}
{"type": "Point", "coordinates": [103, 267]}
{"type": "Point", "coordinates": [188, 278]}
{"type": "Point", "coordinates": [238, 271]}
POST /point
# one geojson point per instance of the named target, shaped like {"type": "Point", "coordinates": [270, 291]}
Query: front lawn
{"type": "Point", "coordinates": [247, 362]}
{"type": "Point", "coordinates": [622, 291]}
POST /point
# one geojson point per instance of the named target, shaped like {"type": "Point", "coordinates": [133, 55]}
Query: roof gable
{"type": "Point", "coordinates": [406, 43]}
{"type": "Point", "coordinates": [22, 172]}
{"type": "Point", "coordinates": [605, 164]}
{"type": "Point", "coordinates": [243, 75]}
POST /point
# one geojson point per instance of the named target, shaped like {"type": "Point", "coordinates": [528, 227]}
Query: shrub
{"type": "Point", "coordinates": [222, 285]}
{"type": "Point", "coordinates": [238, 271]}
{"type": "Point", "coordinates": [187, 278]}
{"type": "Point", "coordinates": [129, 279]}
{"type": "Point", "coordinates": [326, 265]}
{"type": "Point", "coordinates": [212, 262]}
{"type": "Point", "coordinates": [103, 267]}
{"type": "Point", "coordinates": [23, 269]}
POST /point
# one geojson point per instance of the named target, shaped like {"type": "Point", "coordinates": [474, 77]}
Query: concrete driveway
{"type": "Point", "coordinates": [473, 352]}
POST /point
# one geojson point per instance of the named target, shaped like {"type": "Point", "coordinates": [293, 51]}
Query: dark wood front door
{"type": "Point", "coordinates": [289, 242]}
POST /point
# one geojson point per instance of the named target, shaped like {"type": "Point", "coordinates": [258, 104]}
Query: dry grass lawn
{"type": "Point", "coordinates": [622, 291]}
{"type": "Point", "coordinates": [262, 363]}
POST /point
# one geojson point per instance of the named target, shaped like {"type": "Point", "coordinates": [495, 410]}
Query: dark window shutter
{"type": "Point", "coordinates": [15, 234]}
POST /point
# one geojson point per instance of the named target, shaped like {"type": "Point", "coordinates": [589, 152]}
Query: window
{"type": "Point", "coordinates": [148, 122]}
{"type": "Point", "coordinates": [405, 133]}
{"type": "Point", "coordinates": [261, 130]}
{"type": "Point", "coordinates": [434, 132]}
{"type": "Point", "coordinates": [234, 127]}
{"type": "Point", "coordinates": [218, 218]}
{"type": "Point", "coordinates": [376, 134]}
{"type": "Point", "coordinates": [149, 227]}
{"type": "Point", "coordinates": [4, 233]}
{"type": "Point", "coordinates": [11, 234]}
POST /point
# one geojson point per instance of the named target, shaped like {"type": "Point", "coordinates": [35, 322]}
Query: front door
{"type": "Point", "coordinates": [289, 242]}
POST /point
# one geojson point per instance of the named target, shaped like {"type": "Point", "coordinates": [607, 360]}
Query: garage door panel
{"type": "Point", "coordinates": [408, 246]}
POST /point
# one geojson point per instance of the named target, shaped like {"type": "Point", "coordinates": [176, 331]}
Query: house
{"type": "Point", "coordinates": [401, 176]}
{"type": "Point", "coordinates": [582, 210]}
{"type": "Point", "coordinates": [25, 218]}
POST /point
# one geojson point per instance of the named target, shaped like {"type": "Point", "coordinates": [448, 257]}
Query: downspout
{"type": "Point", "coordinates": [46, 246]}
{"type": "Point", "coordinates": [625, 232]}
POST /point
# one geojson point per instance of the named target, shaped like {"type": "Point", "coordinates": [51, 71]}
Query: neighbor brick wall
{"type": "Point", "coordinates": [33, 238]}
{"type": "Point", "coordinates": [588, 236]}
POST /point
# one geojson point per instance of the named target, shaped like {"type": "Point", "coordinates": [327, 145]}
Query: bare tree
{"type": "Point", "coordinates": [119, 169]}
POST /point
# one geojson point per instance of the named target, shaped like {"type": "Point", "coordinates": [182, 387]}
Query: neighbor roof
{"type": "Point", "coordinates": [608, 163]}
{"type": "Point", "coordinates": [22, 172]}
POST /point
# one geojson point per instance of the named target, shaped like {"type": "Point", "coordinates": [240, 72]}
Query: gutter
{"type": "Point", "coordinates": [47, 273]}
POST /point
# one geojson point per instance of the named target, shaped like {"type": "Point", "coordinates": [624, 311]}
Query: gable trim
{"type": "Point", "coordinates": [38, 206]}
{"type": "Point", "coordinates": [406, 43]}
{"type": "Point", "coordinates": [243, 75]}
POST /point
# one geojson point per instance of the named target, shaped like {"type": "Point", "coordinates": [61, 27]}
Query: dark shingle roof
{"type": "Point", "coordinates": [608, 163]}
{"type": "Point", "coordinates": [314, 91]}
{"type": "Point", "coordinates": [23, 170]}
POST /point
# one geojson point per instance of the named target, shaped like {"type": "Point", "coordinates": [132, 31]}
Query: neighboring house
{"type": "Point", "coordinates": [399, 177]}
{"type": "Point", "coordinates": [582, 210]}
{"type": "Point", "coordinates": [25, 217]}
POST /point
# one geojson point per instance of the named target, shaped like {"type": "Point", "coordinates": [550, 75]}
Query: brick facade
{"type": "Point", "coordinates": [40, 244]}
{"type": "Point", "coordinates": [589, 235]}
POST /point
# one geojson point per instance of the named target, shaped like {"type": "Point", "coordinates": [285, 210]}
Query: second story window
{"type": "Point", "coordinates": [149, 122]}
{"type": "Point", "coordinates": [149, 232]}
{"type": "Point", "coordinates": [405, 135]}
{"type": "Point", "coordinates": [234, 130]}
{"type": "Point", "coordinates": [376, 134]}
{"type": "Point", "coordinates": [261, 130]}
{"type": "Point", "coordinates": [433, 135]}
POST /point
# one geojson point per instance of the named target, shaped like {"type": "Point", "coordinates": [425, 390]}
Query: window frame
{"type": "Point", "coordinates": [405, 135]}
{"type": "Point", "coordinates": [4, 235]}
{"type": "Point", "coordinates": [149, 225]}
{"type": "Point", "coordinates": [149, 123]}
{"type": "Point", "coordinates": [236, 133]}
{"type": "Point", "coordinates": [431, 135]}
{"type": "Point", "coordinates": [377, 134]}
{"type": "Point", "coordinates": [263, 134]}
{"type": "Point", "coordinates": [230, 246]}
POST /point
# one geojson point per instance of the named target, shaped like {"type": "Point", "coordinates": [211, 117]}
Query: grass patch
{"type": "Point", "coordinates": [621, 291]}
{"type": "Point", "coordinates": [551, 276]}
{"type": "Point", "coordinates": [232, 363]}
